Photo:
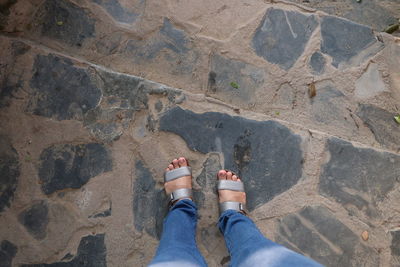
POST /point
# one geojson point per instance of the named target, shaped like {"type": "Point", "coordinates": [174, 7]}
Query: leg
{"type": "Point", "coordinates": [246, 244]}
{"type": "Point", "coordinates": [178, 243]}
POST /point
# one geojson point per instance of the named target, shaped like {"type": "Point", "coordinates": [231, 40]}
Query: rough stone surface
{"type": "Point", "coordinates": [234, 78]}
{"type": "Point", "coordinates": [377, 14]}
{"type": "Point", "coordinates": [257, 151]}
{"type": "Point", "coordinates": [65, 22]}
{"type": "Point", "coordinates": [395, 246]}
{"type": "Point", "coordinates": [91, 253]}
{"type": "Point", "coordinates": [317, 62]}
{"type": "Point", "coordinates": [89, 96]}
{"type": "Point", "coordinates": [316, 232]}
{"type": "Point", "coordinates": [344, 40]}
{"type": "Point", "coordinates": [169, 43]}
{"type": "Point", "coordinates": [35, 219]}
{"type": "Point", "coordinates": [122, 96]}
{"type": "Point", "coordinates": [328, 107]}
{"type": "Point", "coordinates": [282, 36]}
{"type": "Point", "coordinates": [149, 204]}
{"type": "Point", "coordinates": [7, 252]}
{"type": "Point", "coordinates": [370, 83]}
{"type": "Point", "coordinates": [71, 166]}
{"type": "Point", "coordinates": [9, 172]}
{"type": "Point", "coordinates": [118, 12]}
{"type": "Point", "coordinates": [382, 125]}
{"type": "Point", "coordinates": [358, 178]}
{"type": "Point", "coordinates": [62, 91]}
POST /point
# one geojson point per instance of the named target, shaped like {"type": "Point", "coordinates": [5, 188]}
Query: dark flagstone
{"type": "Point", "coordinates": [92, 252]}
{"type": "Point", "coordinates": [118, 12]}
{"type": "Point", "coordinates": [7, 252]}
{"type": "Point", "coordinates": [71, 166]}
{"type": "Point", "coordinates": [65, 22]}
{"type": "Point", "coordinates": [266, 154]}
{"type": "Point", "coordinates": [282, 36]}
{"type": "Point", "coordinates": [316, 232]}
{"type": "Point", "coordinates": [343, 40]}
{"type": "Point", "coordinates": [62, 91]}
{"type": "Point", "coordinates": [353, 173]}
{"type": "Point", "coordinates": [9, 172]}
{"type": "Point", "coordinates": [317, 63]}
{"type": "Point", "coordinates": [35, 219]}
{"type": "Point", "coordinates": [382, 125]}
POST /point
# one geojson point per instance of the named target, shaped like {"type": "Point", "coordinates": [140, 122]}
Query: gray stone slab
{"type": "Point", "coordinates": [9, 172]}
{"type": "Point", "coordinates": [382, 124]}
{"type": "Point", "coordinates": [122, 96]}
{"type": "Point", "coordinates": [169, 45]}
{"type": "Point", "coordinates": [10, 76]}
{"type": "Point", "coordinates": [118, 12]}
{"type": "Point", "coordinates": [61, 90]}
{"type": "Point", "coordinates": [65, 22]}
{"type": "Point", "coordinates": [358, 178]}
{"type": "Point", "coordinates": [370, 83]}
{"type": "Point", "coordinates": [7, 252]}
{"type": "Point", "coordinates": [330, 107]}
{"type": "Point", "coordinates": [71, 166]}
{"type": "Point", "coordinates": [5, 7]}
{"type": "Point", "coordinates": [395, 246]}
{"type": "Point", "coordinates": [234, 79]}
{"type": "Point", "coordinates": [316, 232]}
{"type": "Point", "coordinates": [377, 14]}
{"type": "Point", "coordinates": [35, 219]}
{"type": "Point", "coordinates": [150, 205]}
{"type": "Point", "coordinates": [92, 252]}
{"type": "Point", "coordinates": [344, 40]}
{"type": "Point", "coordinates": [374, 13]}
{"type": "Point", "coordinates": [266, 154]}
{"type": "Point", "coordinates": [282, 36]}
{"type": "Point", "coordinates": [317, 62]}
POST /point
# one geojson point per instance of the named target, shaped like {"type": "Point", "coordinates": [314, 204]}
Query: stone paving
{"type": "Point", "coordinates": [298, 97]}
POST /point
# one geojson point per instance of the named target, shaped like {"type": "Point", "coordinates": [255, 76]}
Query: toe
{"type": "Point", "coordinates": [182, 162]}
{"type": "Point", "coordinates": [175, 163]}
{"type": "Point", "coordinates": [234, 177]}
{"type": "Point", "coordinates": [170, 167]}
{"type": "Point", "coordinates": [229, 175]}
{"type": "Point", "coordinates": [222, 174]}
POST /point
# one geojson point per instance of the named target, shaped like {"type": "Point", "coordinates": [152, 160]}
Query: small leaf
{"type": "Point", "coordinates": [277, 113]}
{"type": "Point", "coordinates": [312, 91]}
{"type": "Point", "coordinates": [235, 85]}
{"type": "Point", "coordinates": [365, 235]}
{"type": "Point", "coordinates": [397, 118]}
{"type": "Point", "coordinates": [60, 23]}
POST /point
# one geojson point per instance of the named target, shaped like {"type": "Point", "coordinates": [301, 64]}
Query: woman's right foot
{"type": "Point", "coordinates": [230, 195]}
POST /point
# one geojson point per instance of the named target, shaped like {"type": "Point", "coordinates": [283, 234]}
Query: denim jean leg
{"type": "Point", "coordinates": [178, 242]}
{"type": "Point", "coordinates": [248, 247]}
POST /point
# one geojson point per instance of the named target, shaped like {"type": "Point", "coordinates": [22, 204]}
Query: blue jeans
{"type": "Point", "coordinates": [246, 244]}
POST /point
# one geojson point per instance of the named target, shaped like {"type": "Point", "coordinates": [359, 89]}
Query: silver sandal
{"type": "Point", "coordinates": [231, 205]}
{"type": "Point", "coordinates": [182, 192]}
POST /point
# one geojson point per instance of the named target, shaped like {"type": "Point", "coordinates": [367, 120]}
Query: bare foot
{"type": "Point", "coordinates": [182, 182]}
{"type": "Point", "coordinates": [229, 195]}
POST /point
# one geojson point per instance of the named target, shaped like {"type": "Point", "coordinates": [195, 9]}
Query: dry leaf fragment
{"type": "Point", "coordinates": [365, 235]}
{"type": "Point", "coordinates": [312, 91]}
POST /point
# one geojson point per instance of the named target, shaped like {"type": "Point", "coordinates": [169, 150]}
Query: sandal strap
{"type": "Point", "coordinates": [181, 193]}
{"type": "Point", "coordinates": [177, 173]}
{"type": "Point", "coordinates": [230, 185]}
{"type": "Point", "coordinates": [232, 205]}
